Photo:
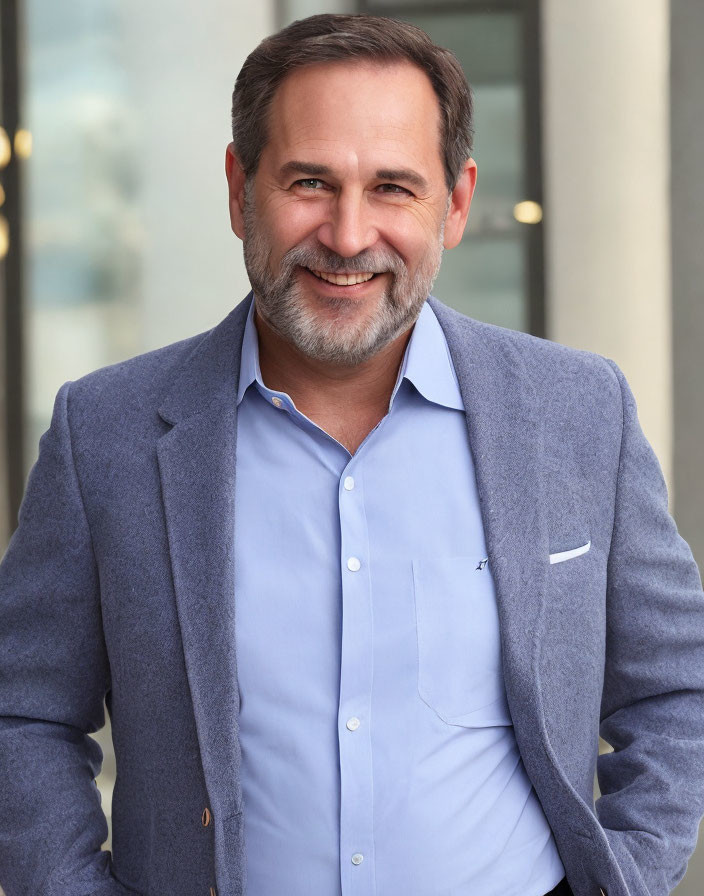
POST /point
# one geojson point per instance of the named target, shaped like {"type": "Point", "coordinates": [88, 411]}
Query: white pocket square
{"type": "Point", "coordinates": [561, 556]}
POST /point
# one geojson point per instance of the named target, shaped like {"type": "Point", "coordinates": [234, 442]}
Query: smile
{"type": "Point", "coordinates": [343, 279]}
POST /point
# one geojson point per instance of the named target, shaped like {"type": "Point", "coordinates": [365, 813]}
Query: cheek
{"type": "Point", "coordinates": [412, 232]}
{"type": "Point", "coordinates": [413, 245]}
{"type": "Point", "coordinates": [292, 222]}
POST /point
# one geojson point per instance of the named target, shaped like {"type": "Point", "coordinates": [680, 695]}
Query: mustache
{"type": "Point", "coordinates": [319, 258]}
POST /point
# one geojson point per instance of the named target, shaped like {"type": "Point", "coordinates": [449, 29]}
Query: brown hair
{"type": "Point", "coordinates": [348, 38]}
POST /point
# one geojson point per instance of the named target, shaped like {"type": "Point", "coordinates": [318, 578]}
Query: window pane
{"type": "Point", "coordinates": [479, 279]}
{"type": "Point", "coordinates": [486, 275]}
{"type": "Point", "coordinates": [81, 192]}
{"type": "Point", "coordinates": [128, 243]}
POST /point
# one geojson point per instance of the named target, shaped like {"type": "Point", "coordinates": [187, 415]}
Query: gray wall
{"type": "Point", "coordinates": [687, 139]}
{"type": "Point", "coordinates": [687, 136]}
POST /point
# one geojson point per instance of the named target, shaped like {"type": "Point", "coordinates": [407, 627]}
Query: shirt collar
{"type": "Point", "coordinates": [426, 362]}
{"type": "Point", "coordinates": [250, 371]}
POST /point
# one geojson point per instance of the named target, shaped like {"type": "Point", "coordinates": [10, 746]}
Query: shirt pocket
{"type": "Point", "coordinates": [460, 676]}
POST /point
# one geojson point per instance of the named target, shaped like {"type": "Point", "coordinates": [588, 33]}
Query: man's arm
{"type": "Point", "coordinates": [54, 675]}
{"type": "Point", "coordinates": [652, 710]}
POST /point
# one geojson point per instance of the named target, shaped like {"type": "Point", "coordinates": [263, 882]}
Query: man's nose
{"type": "Point", "coordinates": [349, 228]}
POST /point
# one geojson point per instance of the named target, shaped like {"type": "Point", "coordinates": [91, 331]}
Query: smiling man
{"type": "Point", "coordinates": [344, 226]}
{"type": "Point", "coordinates": [360, 580]}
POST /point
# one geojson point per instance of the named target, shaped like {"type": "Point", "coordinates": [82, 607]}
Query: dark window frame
{"type": "Point", "coordinates": [12, 266]}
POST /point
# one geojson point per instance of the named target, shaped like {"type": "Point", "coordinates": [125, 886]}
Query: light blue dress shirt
{"type": "Point", "coordinates": [378, 754]}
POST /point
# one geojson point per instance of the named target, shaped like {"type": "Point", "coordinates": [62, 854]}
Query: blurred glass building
{"type": "Point", "coordinates": [115, 237]}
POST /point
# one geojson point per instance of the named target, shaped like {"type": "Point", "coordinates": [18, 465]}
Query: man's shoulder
{"type": "Point", "coordinates": [146, 375]}
{"type": "Point", "coordinates": [190, 370]}
{"type": "Point", "coordinates": [545, 362]}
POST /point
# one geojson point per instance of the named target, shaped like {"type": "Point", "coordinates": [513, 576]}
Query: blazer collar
{"type": "Point", "coordinates": [210, 374]}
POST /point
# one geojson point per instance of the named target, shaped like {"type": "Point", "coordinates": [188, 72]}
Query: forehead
{"type": "Point", "coordinates": [365, 108]}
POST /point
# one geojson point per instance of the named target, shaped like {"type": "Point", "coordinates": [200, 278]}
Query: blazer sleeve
{"type": "Point", "coordinates": [54, 675]}
{"type": "Point", "coordinates": [652, 711]}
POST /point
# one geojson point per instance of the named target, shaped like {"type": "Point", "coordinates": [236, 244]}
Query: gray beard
{"type": "Point", "coordinates": [346, 340]}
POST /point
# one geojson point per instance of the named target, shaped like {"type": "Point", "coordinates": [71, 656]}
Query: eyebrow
{"type": "Point", "coordinates": [305, 168]}
{"type": "Point", "coordinates": [386, 174]}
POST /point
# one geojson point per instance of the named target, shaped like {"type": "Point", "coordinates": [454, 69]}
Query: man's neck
{"type": "Point", "coordinates": [357, 395]}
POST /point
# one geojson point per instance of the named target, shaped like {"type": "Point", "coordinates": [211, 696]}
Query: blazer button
{"type": "Point", "coordinates": [603, 892]}
{"type": "Point", "coordinates": [205, 817]}
{"type": "Point", "coordinates": [212, 892]}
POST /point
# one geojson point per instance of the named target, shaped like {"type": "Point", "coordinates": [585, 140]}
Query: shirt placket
{"type": "Point", "coordinates": [356, 674]}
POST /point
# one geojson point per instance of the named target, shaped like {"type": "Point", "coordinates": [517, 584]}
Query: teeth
{"type": "Point", "coordinates": [344, 279]}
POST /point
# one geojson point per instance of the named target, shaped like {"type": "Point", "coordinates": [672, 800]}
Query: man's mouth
{"type": "Point", "coordinates": [343, 279]}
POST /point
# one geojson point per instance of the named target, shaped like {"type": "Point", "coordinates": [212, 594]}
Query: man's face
{"type": "Point", "coordinates": [343, 223]}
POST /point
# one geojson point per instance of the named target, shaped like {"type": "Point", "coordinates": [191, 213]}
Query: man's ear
{"type": "Point", "coordinates": [460, 201]}
{"type": "Point", "coordinates": [235, 180]}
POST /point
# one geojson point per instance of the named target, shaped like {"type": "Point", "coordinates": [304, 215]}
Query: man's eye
{"type": "Point", "coordinates": [394, 188]}
{"type": "Point", "coordinates": [310, 183]}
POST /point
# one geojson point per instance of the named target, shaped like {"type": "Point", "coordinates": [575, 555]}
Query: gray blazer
{"type": "Point", "coordinates": [119, 585]}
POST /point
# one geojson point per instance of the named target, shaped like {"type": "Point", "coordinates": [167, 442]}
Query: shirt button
{"type": "Point", "coordinates": [277, 401]}
{"type": "Point", "coordinates": [349, 483]}
{"type": "Point", "coordinates": [353, 723]}
{"type": "Point", "coordinates": [357, 858]}
{"type": "Point", "coordinates": [353, 564]}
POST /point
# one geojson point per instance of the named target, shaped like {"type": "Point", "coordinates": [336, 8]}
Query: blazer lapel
{"type": "Point", "coordinates": [506, 437]}
{"type": "Point", "coordinates": [197, 468]}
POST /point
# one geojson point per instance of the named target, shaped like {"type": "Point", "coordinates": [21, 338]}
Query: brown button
{"type": "Point", "coordinates": [212, 892]}
{"type": "Point", "coordinates": [205, 817]}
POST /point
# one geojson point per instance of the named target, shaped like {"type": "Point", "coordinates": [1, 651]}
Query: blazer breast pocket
{"type": "Point", "coordinates": [570, 554]}
{"type": "Point", "coordinates": [460, 676]}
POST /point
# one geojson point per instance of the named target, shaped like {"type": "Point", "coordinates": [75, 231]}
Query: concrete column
{"type": "Point", "coordinates": [607, 224]}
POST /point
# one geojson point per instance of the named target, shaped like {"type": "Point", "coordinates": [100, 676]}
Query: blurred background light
{"type": "Point", "coordinates": [528, 212]}
{"type": "Point", "coordinates": [23, 143]}
{"type": "Point", "coordinates": [5, 148]}
{"type": "Point", "coordinates": [4, 236]}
